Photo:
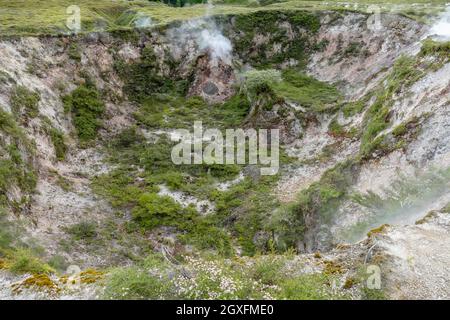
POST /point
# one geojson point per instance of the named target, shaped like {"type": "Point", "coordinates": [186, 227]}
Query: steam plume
{"type": "Point", "coordinates": [441, 29]}
{"type": "Point", "coordinates": [207, 36]}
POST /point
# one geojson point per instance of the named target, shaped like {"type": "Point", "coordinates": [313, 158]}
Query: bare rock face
{"type": "Point", "coordinates": [357, 53]}
{"type": "Point", "coordinates": [416, 258]}
{"type": "Point", "coordinates": [213, 80]}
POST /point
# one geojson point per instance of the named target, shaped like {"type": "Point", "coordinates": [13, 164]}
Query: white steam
{"type": "Point", "coordinates": [206, 35]}
{"type": "Point", "coordinates": [218, 46]}
{"type": "Point", "coordinates": [441, 29]}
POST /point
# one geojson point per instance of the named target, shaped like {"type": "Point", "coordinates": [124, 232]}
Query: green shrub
{"type": "Point", "coordinates": [320, 201]}
{"type": "Point", "coordinates": [25, 102]}
{"type": "Point", "coordinates": [307, 287]}
{"type": "Point", "coordinates": [204, 234]}
{"type": "Point", "coordinates": [336, 129]}
{"type": "Point", "coordinates": [307, 91]}
{"type": "Point", "coordinates": [24, 261]}
{"type": "Point", "coordinates": [14, 170]}
{"type": "Point", "coordinates": [83, 231]}
{"type": "Point", "coordinates": [8, 125]}
{"type": "Point", "coordinates": [137, 284]}
{"type": "Point", "coordinates": [58, 263]}
{"type": "Point", "coordinates": [58, 143]}
{"type": "Point", "coordinates": [260, 81]}
{"type": "Point", "coordinates": [171, 111]}
{"type": "Point", "coordinates": [377, 118]}
{"type": "Point", "coordinates": [57, 138]}
{"type": "Point", "coordinates": [7, 236]}
{"type": "Point", "coordinates": [86, 107]}
{"type": "Point", "coordinates": [117, 186]}
{"type": "Point", "coordinates": [153, 210]}
{"type": "Point", "coordinates": [373, 294]}
{"type": "Point", "coordinates": [430, 47]}
{"type": "Point", "coordinates": [400, 130]}
{"type": "Point", "coordinates": [74, 52]}
{"type": "Point", "coordinates": [268, 270]}
{"type": "Point", "coordinates": [128, 137]}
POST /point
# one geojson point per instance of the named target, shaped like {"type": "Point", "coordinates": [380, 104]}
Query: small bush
{"type": "Point", "coordinates": [268, 270]}
{"type": "Point", "coordinates": [25, 102]}
{"type": "Point", "coordinates": [87, 107]}
{"type": "Point", "coordinates": [307, 91]}
{"type": "Point", "coordinates": [57, 138]}
{"type": "Point", "coordinates": [23, 261]}
{"type": "Point", "coordinates": [15, 169]}
{"type": "Point", "coordinates": [154, 210]}
{"type": "Point", "coordinates": [136, 284]}
{"type": "Point", "coordinates": [430, 47]}
{"type": "Point", "coordinates": [336, 129]}
{"type": "Point", "coordinates": [260, 81]}
{"type": "Point", "coordinates": [307, 287]}
{"type": "Point", "coordinates": [58, 263]}
{"type": "Point", "coordinates": [83, 231]}
{"type": "Point", "coordinates": [74, 52]}
{"type": "Point", "coordinates": [58, 143]}
{"type": "Point", "coordinates": [446, 209]}
{"type": "Point", "coordinates": [143, 78]}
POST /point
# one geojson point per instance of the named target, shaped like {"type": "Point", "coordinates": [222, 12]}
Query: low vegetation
{"type": "Point", "coordinates": [24, 103]}
{"type": "Point", "coordinates": [57, 138]}
{"type": "Point", "coordinates": [263, 277]}
{"type": "Point", "coordinates": [20, 18]}
{"type": "Point", "coordinates": [86, 107]}
{"type": "Point", "coordinates": [307, 91]}
{"type": "Point", "coordinates": [16, 166]}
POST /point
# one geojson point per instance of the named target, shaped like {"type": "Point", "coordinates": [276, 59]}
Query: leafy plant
{"type": "Point", "coordinates": [83, 231]}
{"type": "Point", "coordinates": [25, 102]}
{"type": "Point", "coordinates": [86, 107]}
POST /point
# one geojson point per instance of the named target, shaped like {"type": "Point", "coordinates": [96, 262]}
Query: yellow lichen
{"type": "Point", "coordinates": [3, 264]}
{"type": "Point", "coordinates": [425, 219]}
{"type": "Point", "coordinates": [349, 283]}
{"type": "Point", "coordinates": [37, 281]}
{"type": "Point", "coordinates": [91, 276]}
{"type": "Point", "coordinates": [317, 255]}
{"type": "Point", "coordinates": [378, 230]}
{"type": "Point", "coordinates": [332, 267]}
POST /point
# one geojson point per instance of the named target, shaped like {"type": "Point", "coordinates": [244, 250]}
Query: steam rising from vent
{"type": "Point", "coordinates": [207, 36]}
{"type": "Point", "coordinates": [218, 46]}
{"type": "Point", "coordinates": [406, 200]}
{"type": "Point", "coordinates": [441, 29]}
